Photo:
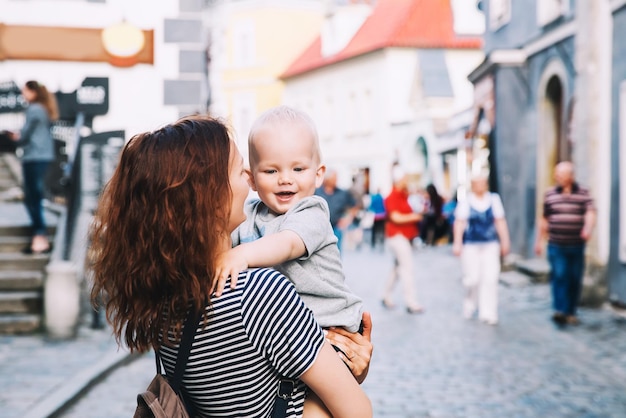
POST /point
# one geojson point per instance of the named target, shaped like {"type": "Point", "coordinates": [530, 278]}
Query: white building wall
{"type": "Point", "coordinates": [363, 112]}
{"type": "Point", "coordinates": [400, 71]}
{"type": "Point", "coordinates": [460, 63]}
{"type": "Point", "coordinates": [136, 93]}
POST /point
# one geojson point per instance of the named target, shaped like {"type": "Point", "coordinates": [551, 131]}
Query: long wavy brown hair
{"type": "Point", "coordinates": [159, 226]}
{"type": "Point", "coordinates": [45, 98]}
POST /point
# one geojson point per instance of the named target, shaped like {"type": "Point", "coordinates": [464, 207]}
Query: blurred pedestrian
{"type": "Point", "coordinates": [400, 230]}
{"type": "Point", "coordinates": [37, 145]}
{"type": "Point", "coordinates": [569, 217]}
{"type": "Point", "coordinates": [448, 212]}
{"type": "Point", "coordinates": [343, 208]}
{"type": "Point", "coordinates": [377, 207]}
{"type": "Point", "coordinates": [434, 225]}
{"type": "Point", "coordinates": [481, 236]}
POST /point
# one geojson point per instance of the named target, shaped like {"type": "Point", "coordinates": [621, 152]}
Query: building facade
{"type": "Point", "coordinates": [251, 42]}
{"type": "Point", "coordinates": [617, 260]}
{"type": "Point", "coordinates": [549, 92]}
{"type": "Point", "coordinates": [60, 43]}
{"type": "Point", "coordinates": [382, 79]}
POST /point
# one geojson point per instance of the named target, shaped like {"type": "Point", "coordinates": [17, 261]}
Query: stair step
{"type": "Point", "coordinates": [11, 194]}
{"type": "Point", "coordinates": [6, 182]}
{"type": "Point", "coordinates": [23, 230]}
{"type": "Point", "coordinates": [21, 302]}
{"type": "Point", "coordinates": [14, 243]}
{"type": "Point", "coordinates": [19, 323]}
{"type": "Point", "coordinates": [21, 280]}
{"type": "Point", "coordinates": [23, 262]}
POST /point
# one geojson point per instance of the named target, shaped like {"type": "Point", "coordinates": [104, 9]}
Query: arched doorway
{"type": "Point", "coordinates": [552, 137]}
{"type": "Point", "coordinates": [555, 113]}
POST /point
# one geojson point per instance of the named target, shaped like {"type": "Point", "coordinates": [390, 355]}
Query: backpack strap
{"type": "Point", "coordinates": [283, 394]}
{"type": "Point", "coordinates": [186, 341]}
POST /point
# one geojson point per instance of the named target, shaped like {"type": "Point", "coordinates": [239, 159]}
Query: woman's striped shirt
{"type": "Point", "coordinates": [256, 333]}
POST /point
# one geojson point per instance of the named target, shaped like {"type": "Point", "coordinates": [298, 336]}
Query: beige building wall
{"type": "Point", "coordinates": [253, 42]}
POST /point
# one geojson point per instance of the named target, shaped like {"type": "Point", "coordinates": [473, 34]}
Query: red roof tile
{"type": "Point", "coordinates": [392, 23]}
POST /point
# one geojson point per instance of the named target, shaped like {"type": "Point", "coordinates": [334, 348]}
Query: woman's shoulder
{"type": "Point", "coordinates": [268, 292]}
{"type": "Point", "coordinates": [35, 108]}
{"type": "Point", "coordinates": [262, 278]}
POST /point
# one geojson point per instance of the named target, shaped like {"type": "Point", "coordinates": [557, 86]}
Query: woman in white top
{"type": "Point", "coordinates": [481, 235]}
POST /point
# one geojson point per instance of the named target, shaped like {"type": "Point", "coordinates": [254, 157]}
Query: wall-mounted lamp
{"type": "Point", "coordinates": [123, 42]}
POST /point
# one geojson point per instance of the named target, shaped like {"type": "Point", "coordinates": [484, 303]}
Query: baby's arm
{"type": "Point", "coordinates": [266, 251]}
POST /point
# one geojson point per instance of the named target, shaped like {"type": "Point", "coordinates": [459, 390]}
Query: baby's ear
{"type": "Point", "coordinates": [251, 180]}
{"type": "Point", "coordinates": [319, 175]}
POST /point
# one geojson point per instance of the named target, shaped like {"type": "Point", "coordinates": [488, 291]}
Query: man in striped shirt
{"type": "Point", "coordinates": [568, 220]}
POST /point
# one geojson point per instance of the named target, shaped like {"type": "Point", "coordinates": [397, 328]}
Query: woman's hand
{"type": "Point", "coordinates": [357, 347]}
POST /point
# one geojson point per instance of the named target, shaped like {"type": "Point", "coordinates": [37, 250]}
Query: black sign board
{"type": "Point", "coordinates": [11, 99]}
{"type": "Point", "coordinates": [92, 97]}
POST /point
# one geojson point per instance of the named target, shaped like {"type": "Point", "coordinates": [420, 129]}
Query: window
{"type": "Point", "coordinates": [550, 10]}
{"type": "Point", "coordinates": [244, 44]}
{"type": "Point", "coordinates": [366, 112]}
{"type": "Point", "coordinates": [351, 115]}
{"type": "Point", "coordinates": [499, 13]}
{"type": "Point", "coordinates": [244, 111]}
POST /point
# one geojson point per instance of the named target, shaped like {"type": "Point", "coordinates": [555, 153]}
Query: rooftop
{"type": "Point", "coordinates": [425, 24]}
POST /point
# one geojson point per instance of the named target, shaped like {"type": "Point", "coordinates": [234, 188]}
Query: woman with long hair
{"type": "Point", "coordinates": [434, 225]}
{"type": "Point", "coordinates": [37, 145]}
{"type": "Point", "coordinates": [164, 218]}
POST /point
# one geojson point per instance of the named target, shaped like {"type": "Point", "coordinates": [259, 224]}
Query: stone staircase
{"type": "Point", "coordinates": [21, 276]}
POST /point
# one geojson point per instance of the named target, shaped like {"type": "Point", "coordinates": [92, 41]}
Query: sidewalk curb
{"type": "Point", "coordinates": [53, 402]}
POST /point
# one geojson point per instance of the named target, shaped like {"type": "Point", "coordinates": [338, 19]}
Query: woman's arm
{"type": "Point", "coordinates": [458, 230]}
{"type": "Point", "coordinates": [358, 349]}
{"type": "Point", "coordinates": [503, 234]}
{"type": "Point", "coordinates": [332, 382]}
{"type": "Point", "coordinates": [33, 117]}
{"type": "Point", "coordinates": [404, 218]}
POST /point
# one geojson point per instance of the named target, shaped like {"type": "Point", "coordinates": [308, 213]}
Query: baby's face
{"type": "Point", "coordinates": [284, 164]}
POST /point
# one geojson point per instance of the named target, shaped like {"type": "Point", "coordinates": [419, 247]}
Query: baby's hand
{"type": "Point", "coordinates": [229, 263]}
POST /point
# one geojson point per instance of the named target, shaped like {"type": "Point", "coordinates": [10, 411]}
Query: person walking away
{"type": "Point", "coordinates": [37, 145]}
{"type": "Point", "coordinates": [434, 225]}
{"type": "Point", "coordinates": [400, 230]}
{"type": "Point", "coordinates": [377, 207]}
{"type": "Point", "coordinates": [481, 236]}
{"type": "Point", "coordinates": [448, 212]}
{"type": "Point", "coordinates": [343, 208]}
{"type": "Point", "coordinates": [157, 270]}
{"type": "Point", "coordinates": [569, 216]}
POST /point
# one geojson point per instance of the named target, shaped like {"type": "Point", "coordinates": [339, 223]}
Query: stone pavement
{"type": "Point", "coordinates": [37, 375]}
{"type": "Point", "coordinates": [440, 365]}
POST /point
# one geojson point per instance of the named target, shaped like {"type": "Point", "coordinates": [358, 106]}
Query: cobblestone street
{"type": "Point", "coordinates": [438, 364]}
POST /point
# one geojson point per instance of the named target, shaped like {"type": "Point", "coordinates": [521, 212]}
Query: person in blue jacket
{"type": "Point", "coordinates": [37, 152]}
